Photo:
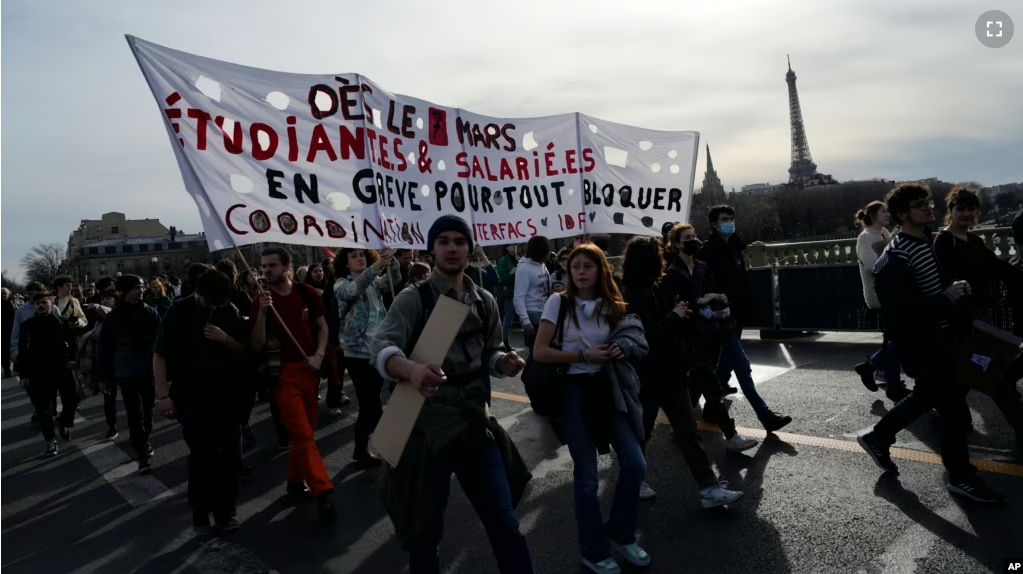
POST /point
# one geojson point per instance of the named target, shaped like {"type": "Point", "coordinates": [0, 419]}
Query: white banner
{"type": "Point", "coordinates": [336, 160]}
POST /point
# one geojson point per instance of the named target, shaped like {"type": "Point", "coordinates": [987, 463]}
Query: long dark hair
{"type": "Point", "coordinates": [868, 215]}
{"type": "Point", "coordinates": [643, 263]}
{"type": "Point", "coordinates": [309, 276]}
{"type": "Point", "coordinates": [538, 249]}
{"type": "Point", "coordinates": [606, 289]}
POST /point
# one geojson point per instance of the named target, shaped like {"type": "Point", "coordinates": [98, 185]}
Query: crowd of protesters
{"type": "Point", "coordinates": [606, 353]}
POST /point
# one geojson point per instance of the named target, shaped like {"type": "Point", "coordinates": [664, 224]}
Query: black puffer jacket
{"type": "Point", "coordinates": [726, 260]}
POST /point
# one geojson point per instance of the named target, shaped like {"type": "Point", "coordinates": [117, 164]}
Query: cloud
{"type": "Point", "coordinates": [887, 89]}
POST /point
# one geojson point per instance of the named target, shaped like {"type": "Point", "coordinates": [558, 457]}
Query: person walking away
{"type": "Point", "coordinates": [362, 282]}
{"type": "Point", "coordinates": [920, 304]}
{"type": "Point", "coordinates": [597, 412]}
{"type": "Point", "coordinates": [724, 254]}
{"type": "Point", "coordinates": [874, 220]}
{"type": "Point", "coordinates": [532, 287]}
{"type": "Point", "coordinates": [195, 270]}
{"type": "Point", "coordinates": [965, 257]}
{"type": "Point", "coordinates": [664, 325]}
{"type": "Point", "coordinates": [9, 309]}
{"type": "Point", "coordinates": [157, 297]}
{"type": "Point", "coordinates": [126, 363]}
{"type": "Point", "coordinates": [507, 265]}
{"type": "Point", "coordinates": [454, 433]}
{"type": "Point", "coordinates": [689, 278]}
{"type": "Point", "coordinates": [46, 350]}
{"type": "Point", "coordinates": [418, 273]}
{"type": "Point", "coordinates": [299, 311]}
{"type": "Point", "coordinates": [198, 363]}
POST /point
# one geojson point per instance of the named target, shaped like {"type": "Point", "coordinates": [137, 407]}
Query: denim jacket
{"type": "Point", "coordinates": [361, 308]}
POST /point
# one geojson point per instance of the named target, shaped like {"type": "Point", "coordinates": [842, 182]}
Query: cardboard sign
{"type": "Point", "coordinates": [402, 411]}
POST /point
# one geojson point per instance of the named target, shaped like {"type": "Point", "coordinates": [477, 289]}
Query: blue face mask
{"type": "Point", "coordinates": [727, 229]}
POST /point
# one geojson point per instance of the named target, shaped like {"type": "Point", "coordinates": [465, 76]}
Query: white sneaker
{"type": "Point", "coordinates": [645, 492]}
{"type": "Point", "coordinates": [719, 495]}
{"type": "Point", "coordinates": [739, 444]}
{"type": "Point", "coordinates": [337, 412]}
{"type": "Point", "coordinates": [630, 553]}
{"type": "Point", "coordinates": [605, 566]}
{"type": "Point", "coordinates": [344, 399]}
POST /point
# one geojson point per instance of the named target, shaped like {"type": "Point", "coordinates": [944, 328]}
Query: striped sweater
{"type": "Point", "coordinates": [923, 319]}
{"type": "Point", "coordinates": [921, 264]}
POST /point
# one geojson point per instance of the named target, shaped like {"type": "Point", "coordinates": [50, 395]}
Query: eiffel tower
{"type": "Point", "coordinates": [802, 172]}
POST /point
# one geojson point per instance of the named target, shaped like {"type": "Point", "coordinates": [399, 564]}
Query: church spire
{"type": "Point", "coordinates": [713, 192]}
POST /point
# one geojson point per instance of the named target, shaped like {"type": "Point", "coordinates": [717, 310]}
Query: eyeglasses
{"type": "Point", "coordinates": [924, 204]}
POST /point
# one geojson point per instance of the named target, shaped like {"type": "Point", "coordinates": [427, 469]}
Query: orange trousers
{"type": "Point", "coordinates": [298, 405]}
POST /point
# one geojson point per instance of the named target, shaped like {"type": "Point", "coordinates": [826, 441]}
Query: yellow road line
{"type": "Point", "coordinates": [835, 444]}
{"type": "Point", "coordinates": [507, 397]}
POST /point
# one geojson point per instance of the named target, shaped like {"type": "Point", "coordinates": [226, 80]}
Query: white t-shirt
{"type": "Point", "coordinates": [589, 333]}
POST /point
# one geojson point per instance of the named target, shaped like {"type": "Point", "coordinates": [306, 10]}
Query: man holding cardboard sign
{"type": "Point", "coordinates": [453, 431]}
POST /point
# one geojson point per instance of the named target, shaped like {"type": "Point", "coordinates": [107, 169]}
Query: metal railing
{"type": "Point", "coordinates": [816, 285]}
{"type": "Point", "coordinates": [843, 251]}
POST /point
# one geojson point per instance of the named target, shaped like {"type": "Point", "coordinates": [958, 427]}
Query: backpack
{"type": "Point", "coordinates": [543, 381]}
{"type": "Point", "coordinates": [429, 301]}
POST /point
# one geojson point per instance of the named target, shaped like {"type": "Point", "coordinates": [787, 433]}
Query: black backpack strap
{"type": "Point", "coordinates": [306, 293]}
{"type": "Point", "coordinates": [428, 302]}
{"type": "Point", "coordinates": [559, 327]}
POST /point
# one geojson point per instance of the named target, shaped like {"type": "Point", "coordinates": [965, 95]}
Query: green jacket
{"type": "Point", "coordinates": [408, 491]}
{"type": "Point", "coordinates": [506, 278]}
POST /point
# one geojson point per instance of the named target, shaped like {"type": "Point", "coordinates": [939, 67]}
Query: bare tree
{"type": "Point", "coordinates": [11, 284]}
{"type": "Point", "coordinates": [45, 262]}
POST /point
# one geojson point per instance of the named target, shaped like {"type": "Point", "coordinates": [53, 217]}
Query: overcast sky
{"type": "Point", "coordinates": [899, 90]}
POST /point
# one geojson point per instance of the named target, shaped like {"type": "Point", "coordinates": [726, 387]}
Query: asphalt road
{"type": "Point", "coordinates": [814, 503]}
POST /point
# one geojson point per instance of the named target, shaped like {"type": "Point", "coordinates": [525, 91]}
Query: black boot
{"type": "Point", "coordinates": [774, 422]}
{"type": "Point", "coordinates": [866, 373]}
{"type": "Point", "coordinates": [366, 458]}
{"type": "Point", "coordinates": [328, 512]}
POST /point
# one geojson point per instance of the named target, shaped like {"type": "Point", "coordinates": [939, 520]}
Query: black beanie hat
{"type": "Point", "coordinates": [126, 283]}
{"type": "Point", "coordinates": [667, 227]}
{"type": "Point", "coordinates": [448, 223]}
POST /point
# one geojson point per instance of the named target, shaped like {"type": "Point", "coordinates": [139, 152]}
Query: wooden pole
{"type": "Point", "coordinates": [279, 320]}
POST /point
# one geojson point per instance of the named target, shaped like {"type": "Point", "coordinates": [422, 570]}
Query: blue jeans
{"type": "Point", "coordinates": [508, 318]}
{"type": "Point", "coordinates": [888, 361]}
{"type": "Point", "coordinates": [621, 523]}
{"type": "Point", "coordinates": [733, 358]}
{"type": "Point", "coordinates": [483, 479]}
{"type": "Point", "coordinates": [534, 320]}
